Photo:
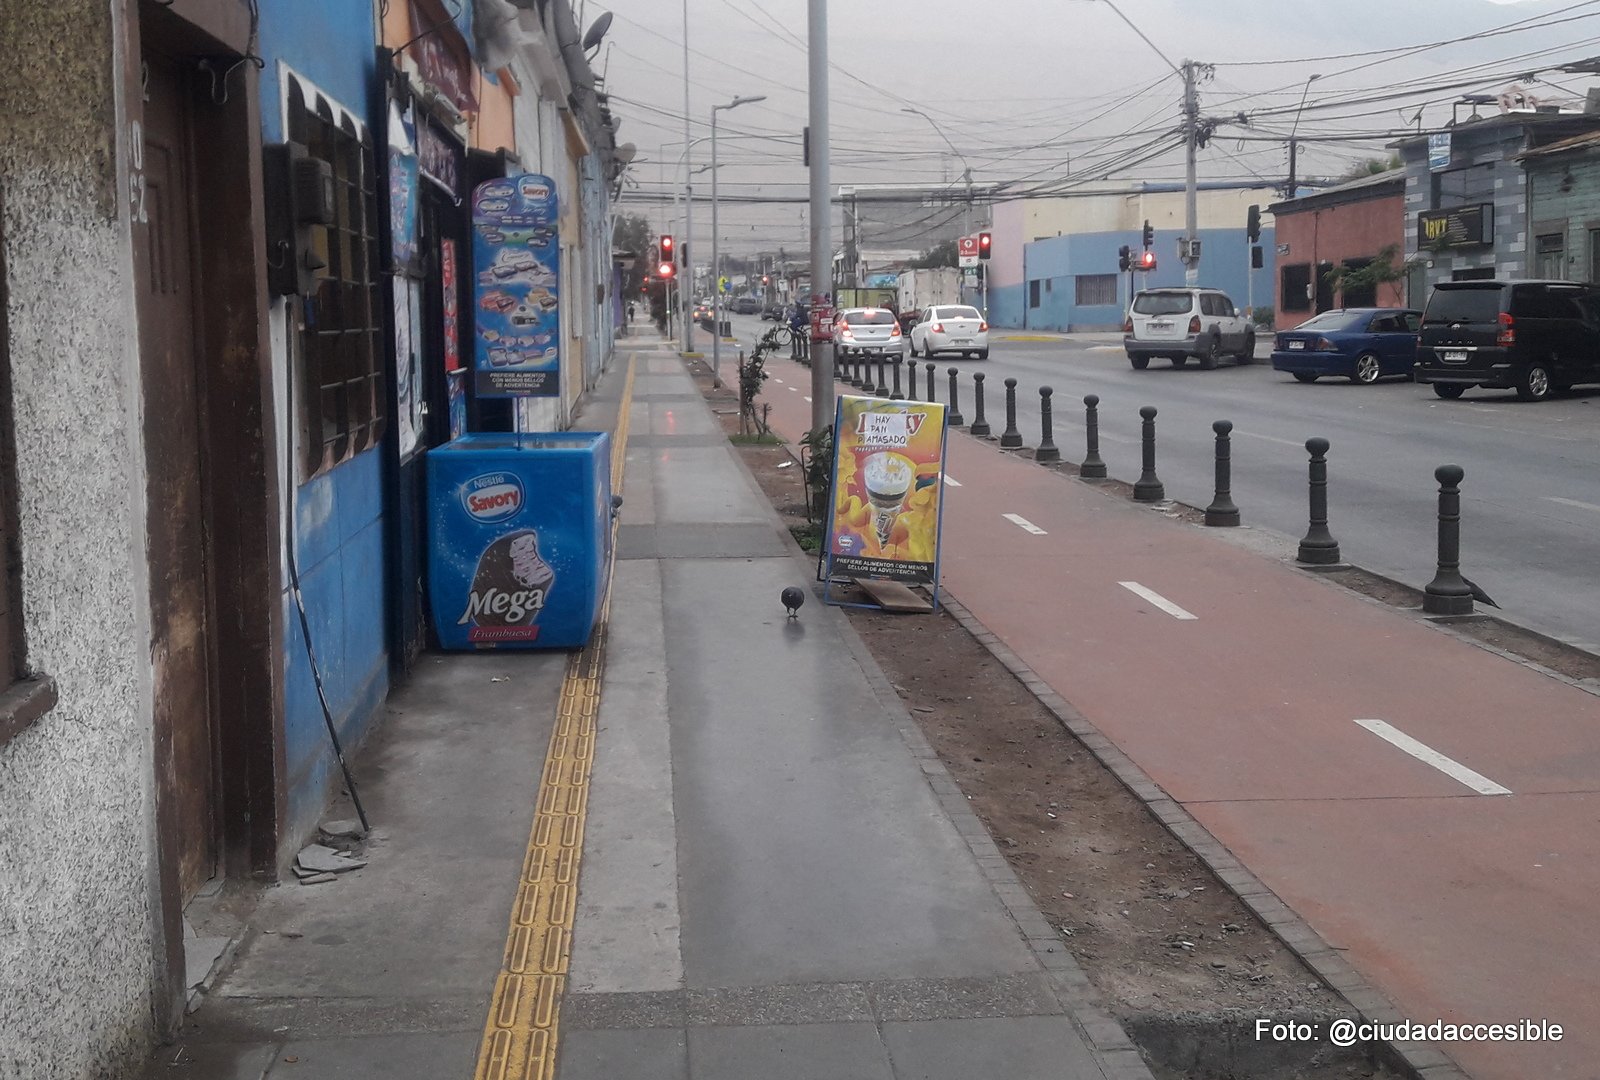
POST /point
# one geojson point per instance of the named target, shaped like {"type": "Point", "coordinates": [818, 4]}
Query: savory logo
{"type": "Point", "coordinates": [492, 496]}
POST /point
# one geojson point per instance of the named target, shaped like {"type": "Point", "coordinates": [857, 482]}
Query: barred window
{"type": "Point", "coordinates": [342, 370]}
{"type": "Point", "coordinates": [1096, 289]}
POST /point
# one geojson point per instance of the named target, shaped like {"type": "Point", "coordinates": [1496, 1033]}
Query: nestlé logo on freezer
{"type": "Point", "coordinates": [492, 496]}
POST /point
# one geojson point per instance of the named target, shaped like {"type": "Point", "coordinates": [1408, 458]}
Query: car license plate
{"type": "Point", "coordinates": [1297, 344]}
{"type": "Point", "coordinates": [1158, 324]}
{"type": "Point", "coordinates": [1455, 356]}
{"type": "Point", "coordinates": [961, 340]}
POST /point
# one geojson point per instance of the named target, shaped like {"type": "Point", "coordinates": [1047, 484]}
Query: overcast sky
{"type": "Point", "coordinates": [1048, 91]}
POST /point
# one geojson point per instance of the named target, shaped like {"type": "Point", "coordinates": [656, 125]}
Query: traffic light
{"type": "Point", "coordinates": [765, 280]}
{"type": "Point", "coordinates": [1149, 234]}
{"type": "Point", "coordinates": [1147, 261]}
{"type": "Point", "coordinates": [666, 248]}
{"type": "Point", "coordinates": [1252, 223]}
{"type": "Point", "coordinates": [666, 270]}
{"type": "Point", "coordinates": [1124, 258]}
{"type": "Point", "coordinates": [984, 241]}
{"type": "Point", "coordinates": [1257, 260]}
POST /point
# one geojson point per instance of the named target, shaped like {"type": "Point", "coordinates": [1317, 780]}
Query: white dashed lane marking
{"type": "Point", "coordinates": [1024, 524]}
{"type": "Point", "coordinates": [1429, 756]}
{"type": "Point", "coordinates": [952, 481]}
{"type": "Point", "coordinates": [1574, 502]}
{"type": "Point", "coordinates": [1157, 599]}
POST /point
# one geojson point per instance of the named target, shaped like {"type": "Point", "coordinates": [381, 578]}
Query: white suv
{"type": "Point", "coordinates": [1179, 323]}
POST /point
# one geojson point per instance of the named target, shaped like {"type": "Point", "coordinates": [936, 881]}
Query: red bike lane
{"type": "Point", "coordinates": [1237, 683]}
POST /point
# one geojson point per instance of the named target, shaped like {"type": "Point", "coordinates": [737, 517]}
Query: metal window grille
{"type": "Point", "coordinates": [1033, 294]}
{"type": "Point", "coordinates": [1096, 289]}
{"type": "Point", "coordinates": [342, 370]}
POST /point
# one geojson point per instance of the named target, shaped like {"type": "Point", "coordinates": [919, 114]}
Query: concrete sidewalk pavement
{"type": "Point", "coordinates": [779, 878]}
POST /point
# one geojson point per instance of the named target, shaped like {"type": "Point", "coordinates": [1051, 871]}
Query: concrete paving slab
{"type": "Point", "coordinates": [704, 485]}
{"type": "Point", "coordinates": [810, 847]}
{"type": "Point", "coordinates": [658, 1054]}
{"type": "Point", "coordinates": [1017, 1048]}
{"type": "Point", "coordinates": [449, 780]}
{"type": "Point", "coordinates": [645, 386]}
{"type": "Point", "coordinates": [798, 1052]}
{"type": "Point", "coordinates": [431, 1056]}
{"type": "Point", "coordinates": [212, 1061]}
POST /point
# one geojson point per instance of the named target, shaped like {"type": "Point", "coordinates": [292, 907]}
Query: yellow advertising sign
{"type": "Point", "coordinates": [884, 516]}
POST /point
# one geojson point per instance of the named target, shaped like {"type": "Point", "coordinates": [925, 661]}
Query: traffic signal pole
{"type": "Point", "coordinates": [821, 218]}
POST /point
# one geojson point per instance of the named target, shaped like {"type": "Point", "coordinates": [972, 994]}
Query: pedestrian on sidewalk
{"type": "Point", "coordinates": [630, 310]}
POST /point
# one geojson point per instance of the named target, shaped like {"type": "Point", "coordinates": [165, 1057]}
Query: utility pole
{"type": "Point", "coordinates": [686, 276]}
{"type": "Point", "coordinates": [821, 242]}
{"type": "Point", "coordinates": [1191, 127]}
{"type": "Point", "coordinates": [1294, 182]}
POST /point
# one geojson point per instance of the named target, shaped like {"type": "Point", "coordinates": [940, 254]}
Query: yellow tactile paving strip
{"type": "Point", "coordinates": [519, 1037]}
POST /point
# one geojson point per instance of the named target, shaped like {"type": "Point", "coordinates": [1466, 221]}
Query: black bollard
{"type": "Point", "coordinates": [848, 367]}
{"type": "Point", "coordinates": [955, 418]}
{"type": "Point", "coordinates": [1222, 511]}
{"type": "Point", "coordinates": [980, 426]}
{"type": "Point", "coordinates": [1148, 488]}
{"type": "Point", "coordinates": [931, 385]}
{"type": "Point", "coordinates": [1011, 438]}
{"type": "Point", "coordinates": [895, 394]}
{"type": "Point", "coordinates": [911, 376]}
{"type": "Point", "coordinates": [1092, 468]}
{"type": "Point", "coordinates": [1448, 593]}
{"type": "Point", "coordinates": [882, 389]}
{"type": "Point", "coordinates": [860, 381]}
{"type": "Point", "coordinates": [1319, 548]}
{"type": "Point", "coordinates": [1048, 451]}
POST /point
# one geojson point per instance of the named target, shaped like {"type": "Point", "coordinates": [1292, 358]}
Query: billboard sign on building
{"type": "Point", "coordinates": [1439, 151]}
{"type": "Point", "coordinates": [1459, 227]}
{"type": "Point", "coordinates": [517, 287]}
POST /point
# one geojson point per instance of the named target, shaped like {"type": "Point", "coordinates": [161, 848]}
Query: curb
{"type": "Point", "coordinates": [1419, 1060]}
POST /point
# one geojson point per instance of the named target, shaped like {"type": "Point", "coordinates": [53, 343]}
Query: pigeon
{"type": "Point", "coordinates": [1477, 593]}
{"type": "Point", "coordinates": [792, 599]}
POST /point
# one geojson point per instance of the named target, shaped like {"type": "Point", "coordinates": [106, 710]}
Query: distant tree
{"type": "Point", "coordinates": [634, 236]}
{"type": "Point", "coordinates": [1372, 167]}
{"type": "Point", "coordinates": [940, 254]}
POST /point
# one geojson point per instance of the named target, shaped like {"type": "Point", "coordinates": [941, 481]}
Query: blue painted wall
{"type": "Point", "coordinates": [339, 516]}
{"type": "Point", "coordinates": [1057, 261]}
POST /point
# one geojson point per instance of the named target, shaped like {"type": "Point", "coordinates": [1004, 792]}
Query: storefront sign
{"type": "Point", "coordinates": [436, 157]}
{"type": "Point", "coordinates": [517, 260]}
{"type": "Point", "coordinates": [821, 312]}
{"type": "Point", "coordinates": [402, 188]}
{"type": "Point", "coordinates": [1439, 151]}
{"type": "Point", "coordinates": [441, 57]}
{"type": "Point", "coordinates": [1460, 227]}
{"type": "Point", "coordinates": [451, 304]}
{"type": "Point", "coordinates": [883, 516]}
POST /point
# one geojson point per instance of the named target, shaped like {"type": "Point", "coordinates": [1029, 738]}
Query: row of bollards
{"type": "Point", "coordinates": [1449, 593]}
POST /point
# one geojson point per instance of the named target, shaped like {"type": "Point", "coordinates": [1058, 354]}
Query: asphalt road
{"type": "Point", "coordinates": [1530, 500]}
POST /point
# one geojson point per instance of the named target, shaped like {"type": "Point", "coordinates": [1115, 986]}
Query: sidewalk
{"type": "Point", "coordinates": [1250, 710]}
{"type": "Point", "coordinates": [776, 877]}
{"type": "Point", "coordinates": [779, 878]}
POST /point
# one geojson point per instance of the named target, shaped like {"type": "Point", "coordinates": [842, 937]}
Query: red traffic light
{"type": "Point", "coordinates": [666, 246]}
{"type": "Point", "coordinates": [1147, 260]}
{"type": "Point", "coordinates": [666, 270]}
{"type": "Point", "coordinates": [984, 242]}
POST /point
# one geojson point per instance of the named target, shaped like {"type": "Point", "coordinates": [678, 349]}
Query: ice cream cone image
{"type": "Point", "coordinates": [887, 478]}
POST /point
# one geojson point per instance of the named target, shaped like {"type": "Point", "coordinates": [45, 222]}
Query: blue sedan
{"type": "Point", "coordinates": [1361, 344]}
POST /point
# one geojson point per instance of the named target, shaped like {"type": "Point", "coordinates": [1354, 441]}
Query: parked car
{"type": "Point", "coordinates": [1360, 344]}
{"type": "Point", "coordinates": [1536, 337]}
{"type": "Point", "coordinates": [950, 328]}
{"type": "Point", "coordinates": [746, 305]}
{"type": "Point", "coordinates": [772, 313]}
{"type": "Point", "coordinates": [1179, 323]}
{"type": "Point", "coordinates": [867, 332]}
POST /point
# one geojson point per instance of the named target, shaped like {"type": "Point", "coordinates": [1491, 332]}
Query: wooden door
{"type": "Point", "coordinates": [179, 590]}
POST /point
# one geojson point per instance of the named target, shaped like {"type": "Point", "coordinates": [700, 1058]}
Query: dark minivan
{"type": "Point", "coordinates": [1535, 337]}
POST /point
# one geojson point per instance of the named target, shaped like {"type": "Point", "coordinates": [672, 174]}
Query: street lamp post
{"type": "Point", "coordinates": [716, 281]}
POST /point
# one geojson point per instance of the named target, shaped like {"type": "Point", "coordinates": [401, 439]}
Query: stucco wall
{"type": "Point", "coordinates": [1564, 197]}
{"type": "Point", "coordinates": [76, 809]}
{"type": "Point", "coordinates": [1332, 234]}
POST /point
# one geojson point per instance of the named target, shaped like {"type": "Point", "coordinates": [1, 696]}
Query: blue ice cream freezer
{"type": "Point", "coordinates": [519, 538]}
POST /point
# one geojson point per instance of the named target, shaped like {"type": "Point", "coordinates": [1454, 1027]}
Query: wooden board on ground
{"type": "Point", "coordinates": [893, 596]}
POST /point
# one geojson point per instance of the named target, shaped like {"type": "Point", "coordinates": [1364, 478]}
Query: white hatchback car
{"type": "Point", "coordinates": [867, 332]}
{"type": "Point", "coordinates": [950, 328]}
{"type": "Point", "coordinates": [1178, 323]}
